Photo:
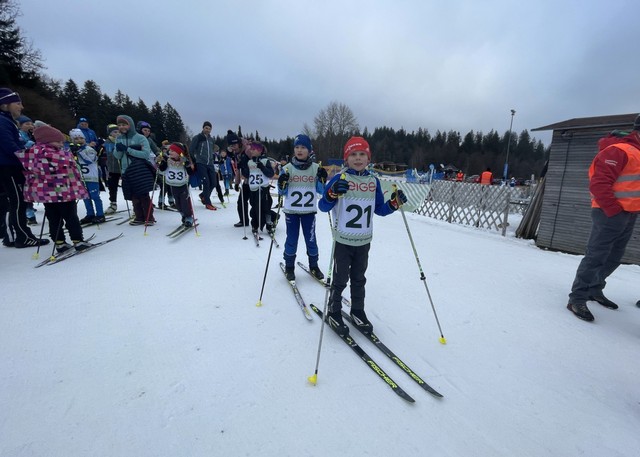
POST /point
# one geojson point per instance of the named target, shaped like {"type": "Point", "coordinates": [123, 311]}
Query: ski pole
{"type": "Point", "coordinates": [423, 278]}
{"type": "Point", "coordinates": [244, 220]}
{"type": "Point", "coordinates": [37, 253]}
{"type": "Point", "coordinates": [264, 279]}
{"type": "Point", "coordinates": [313, 379]}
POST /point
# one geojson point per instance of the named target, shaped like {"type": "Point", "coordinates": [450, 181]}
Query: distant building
{"type": "Point", "coordinates": [565, 219]}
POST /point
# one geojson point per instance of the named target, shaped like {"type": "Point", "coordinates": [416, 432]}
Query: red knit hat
{"type": "Point", "coordinates": [177, 149]}
{"type": "Point", "coordinates": [48, 134]}
{"type": "Point", "coordinates": [356, 143]}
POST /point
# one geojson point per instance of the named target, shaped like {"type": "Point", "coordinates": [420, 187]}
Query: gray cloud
{"type": "Point", "coordinates": [272, 65]}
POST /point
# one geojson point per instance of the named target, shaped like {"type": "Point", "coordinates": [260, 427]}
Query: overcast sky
{"type": "Point", "coordinates": [271, 66]}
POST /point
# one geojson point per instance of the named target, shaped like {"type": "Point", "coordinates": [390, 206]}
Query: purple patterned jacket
{"type": "Point", "coordinates": [52, 175]}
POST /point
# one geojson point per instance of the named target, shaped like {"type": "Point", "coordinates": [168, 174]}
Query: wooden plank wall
{"type": "Point", "coordinates": [565, 220]}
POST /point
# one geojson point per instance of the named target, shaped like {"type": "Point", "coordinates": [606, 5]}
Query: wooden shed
{"type": "Point", "coordinates": [565, 219]}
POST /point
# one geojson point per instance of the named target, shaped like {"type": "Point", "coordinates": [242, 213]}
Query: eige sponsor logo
{"type": "Point", "coordinates": [302, 178]}
{"type": "Point", "coordinates": [362, 187]}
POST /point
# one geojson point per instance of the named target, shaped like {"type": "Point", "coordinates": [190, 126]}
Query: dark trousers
{"type": "Point", "coordinates": [605, 248]}
{"type": "Point", "coordinates": [112, 184]}
{"type": "Point", "coordinates": [12, 181]}
{"type": "Point", "coordinates": [209, 179]}
{"type": "Point", "coordinates": [260, 201]}
{"type": "Point", "coordinates": [182, 199]}
{"type": "Point", "coordinates": [66, 212]}
{"type": "Point", "coordinates": [165, 189]}
{"type": "Point", "coordinates": [294, 223]}
{"type": "Point", "coordinates": [243, 204]}
{"type": "Point", "coordinates": [349, 264]}
{"type": "Point", "coordinates": [142, 207]}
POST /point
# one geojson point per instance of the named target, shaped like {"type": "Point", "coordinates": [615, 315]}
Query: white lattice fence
{"type": "Point", "coordinates": [468, 204]}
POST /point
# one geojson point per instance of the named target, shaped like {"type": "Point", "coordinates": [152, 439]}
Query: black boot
{"type": "Point", "coordinates": [335, 321]}
{"type": "Point", "coordinates": [315, 271]}
{"type": "Point", "coordinates": [359, 319]}
{"type": "Point", "coordinates": [289, 273]}
{"type": "Point", "coordinates": [581, 311]}
{"type": "Point", "coordinates": [604, 301]}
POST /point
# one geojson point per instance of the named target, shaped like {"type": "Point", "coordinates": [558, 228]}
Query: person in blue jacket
{"type": "Point", "coordinates": [16, 232]}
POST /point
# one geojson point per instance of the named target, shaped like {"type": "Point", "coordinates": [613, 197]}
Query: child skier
{"type": "Point", "coordinates": [176, 168]}
{"type": "Point", "coordinates": [354, 195]}
{"type": "Point", "coordinates": [88, 161]}
{"type": "Point", "coordinates": [226, 170]}
{"type": "Point", "coordinates": [299, 182]}
{"type": "Point", "coordinates": [53, 178]}
{"type": "Point", "coordinates": [258, 172]}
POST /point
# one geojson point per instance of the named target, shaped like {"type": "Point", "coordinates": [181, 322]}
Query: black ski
{"type": "Point", "coordinates": [180, 230]}
{"type": "Point", "coordinates": [345, 300]}
{"type": "Point", "coordinates": [389, 353]}
{"type": "Point", "coordinates": [73, 252]}
{"type": "Point", "coordinates": [369, 361]}
{"type": "Point", "coordinates": [296, 293]}
{"type": "Point", "coordinates": [54, 256]}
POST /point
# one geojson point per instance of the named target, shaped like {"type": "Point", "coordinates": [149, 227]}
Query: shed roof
{"type": "Point", "coordinates": [617, 120]}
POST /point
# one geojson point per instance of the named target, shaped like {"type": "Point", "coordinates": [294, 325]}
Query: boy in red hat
{"type": "Point", "coordinates": [354, 195]}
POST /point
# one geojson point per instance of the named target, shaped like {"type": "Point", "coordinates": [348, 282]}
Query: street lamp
{"type": "Point", "coordinates": [506, 160]}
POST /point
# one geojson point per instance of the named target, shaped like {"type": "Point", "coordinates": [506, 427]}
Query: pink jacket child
{"type": "Point", "coordinates": [52, 178]}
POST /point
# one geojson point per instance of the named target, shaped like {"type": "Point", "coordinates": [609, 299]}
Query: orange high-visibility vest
{"type": "Point", "coordinates": [627, 187]}
{"type": "Point", "coordinates": [485, 177]}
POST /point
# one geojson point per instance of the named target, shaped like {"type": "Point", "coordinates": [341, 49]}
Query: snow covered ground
{"type": "Point", "coordinates": [153, 347]}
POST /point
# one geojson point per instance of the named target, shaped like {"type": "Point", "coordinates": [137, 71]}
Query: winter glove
{"type": "Point", "coordinates": [74, 147]}
{"type": "Point", "coordinates": [340, 187]}
{"type": "Point", "coordinates": [398, 198]}
{"type": "Point", "coordinates": [121, 147]}
{"type": "Point", "coordinates": [137, 147]}
{"type": "Point", "coordinates": [322, 175]}
{"type": "Point", "coordinates": [283, 180]}
{"type": "Point", "coordinates": [237, 188]}
{"type": "Point", "coordinates": [261, 166]}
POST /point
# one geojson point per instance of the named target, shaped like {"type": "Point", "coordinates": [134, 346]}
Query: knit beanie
{"type": "Point", "coordinates": [22, 119]}
{"type": "Point", "coordinates": [111, 128]}
{"type": "Point", "coordinates": [303, 140]}
{"type": "Point", "coordinates": [8, 96]}
{"type": "Point", "coordinates": [48, 134]}
{"type": "Point", "coordinates": [356, 143]}
{"type": "Point", "coordinates": [76, 133]}
{"type": "Point", "coordinates": [636, 124]}
{"type": "Point", "coordinates": [207, 124]}
{"type": "Point", "coordinates": [175, 147]}
{"type": "Point", "coordinates": [232, 138]}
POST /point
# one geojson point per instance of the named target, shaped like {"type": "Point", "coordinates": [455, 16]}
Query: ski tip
{"type": "Point", "coordinates": [313, 379]}
{"type": "Point", "coordinates": [259, 303]}
{"type": "Point", "coordinates": [442, 340]}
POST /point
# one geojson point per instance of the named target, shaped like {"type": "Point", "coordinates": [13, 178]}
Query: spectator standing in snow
{"type": "Point", "coordinates": [202, 150]}
{"type": "Point", "coordinates": [89, 135]}
{"type": "Point", "coordinates": [17, 233]}
{"type": "Point", "coordinates": [614, 184]}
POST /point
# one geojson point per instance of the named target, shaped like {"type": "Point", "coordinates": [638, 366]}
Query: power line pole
{"type": "Point", "coordinates": [506, 160]}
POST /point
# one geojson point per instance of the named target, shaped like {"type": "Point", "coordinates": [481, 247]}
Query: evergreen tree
{"type": "Point", "coordinates": [20, 63]}
{"type": "Point", "coordinates": [70, 98]}
{"type": "Point", "coordinates": [174, 127]}
{"type": "Point", "coordinates": [89, 106]}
